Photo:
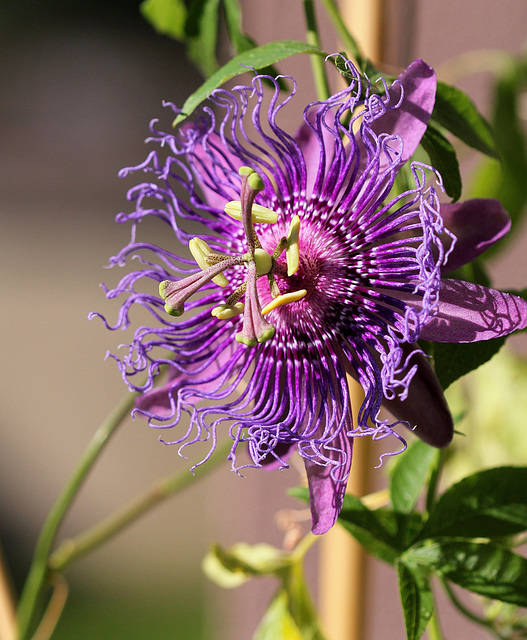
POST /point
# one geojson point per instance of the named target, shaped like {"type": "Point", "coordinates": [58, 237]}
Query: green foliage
{"type": "Point", "coordinates": [416, 598]}
{"type": "Point", "coordinates": [278, 621]}
{"type": "Point", "coordinates": [167, 16]}
{"type": "Point", "coordinates": [232, 567]}
{"type": "Point", "coordinates": [291, 614]}
{"type": "Point", "coordinates": [255, 58]}
{"type": "Point", "coordinates": [453, 360]}
{"type": "Point", "coordinates": [465, 538]}
{"type": "Point", "coordinates": [487, 504]}
{"type": "Point", "coordinates": [485, 568]}
{"type": "Point", "coordinates": [443, 158]}
{"type": "Point", "coordinates": [196, 23]}
{"type": "Point", "coordinates": [409, 475]}
{"type": "Point", "coordinates": [505, 180]}
{"type": "Point", "coordinates": [456, 112]}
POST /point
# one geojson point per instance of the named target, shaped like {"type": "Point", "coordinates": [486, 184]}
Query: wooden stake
{"type": "Point", "coordinates": [342, 568]}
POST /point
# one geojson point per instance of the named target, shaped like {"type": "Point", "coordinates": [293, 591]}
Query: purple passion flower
{"type": "Point", "coordinates": [311, 267]}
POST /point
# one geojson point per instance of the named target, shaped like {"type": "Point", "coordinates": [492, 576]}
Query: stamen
{"type": "Point", "coordinates": [176, 293]}
{"type": "Point", "coordinates": [285, 298]}
{"type": "Point", "coordinates": [258, 213]}
{"type": "Point", "coordinates": [292, 251]}
{"type": "Point", "coordinates": [280, 247]}
{"type": "Point", "coordinates": [200, 250]}
{"type": "Point", "coordinates": [226, 311]}
{"type": "Point", "coordinates": [259, 262]}
{"type": "Point", "coordinates": [255, 329]}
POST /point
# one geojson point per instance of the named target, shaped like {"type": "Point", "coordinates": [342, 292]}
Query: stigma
{"type": "Point", "coordinates": [258, 263]}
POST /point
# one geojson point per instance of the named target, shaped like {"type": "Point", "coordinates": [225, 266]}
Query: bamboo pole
{"type": "Point", "coordinates": [365, 20]}
{"type": "Point", "coordinates": [342, 562]}
{"type": "Point", "coordinates": [341, 558]}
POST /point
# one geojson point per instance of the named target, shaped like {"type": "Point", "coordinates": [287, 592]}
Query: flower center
{"type": "Point", "coordinates": [258, 263]}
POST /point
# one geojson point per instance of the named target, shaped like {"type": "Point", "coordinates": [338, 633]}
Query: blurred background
{"type": "Point", "coordinates": [80, 82]}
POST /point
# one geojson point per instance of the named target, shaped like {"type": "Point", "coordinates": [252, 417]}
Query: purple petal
{"type": "Point", "coordinates": [327, 489]}
{"type": "Point", "coordinates": [425, 408]}
{"type": "Point", "coordinates": [469, 312]}
{"type": "Point", "coordinates": [409, 122]}
{"type": "Point", "coordinates": [477, 225]}
{"type": "Point", "coordinates": [208, 172]}
{"type": "Point", "coordinates": [310, 146]}
{"type": "Point", "coordinates": [156, 401]}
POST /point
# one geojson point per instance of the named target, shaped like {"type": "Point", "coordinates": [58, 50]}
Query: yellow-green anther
{"type": "Point", "coordinates": [263, 260]}
{"type": "Point", "coordinates": [173, 312]}
{"type": "Point", "coordinates": [245, 171]}
{"type": "Point", "coordinates": [252, 342]}
{"type": "Point", "coordinates": [200, 250]}
{"type": "Point", "coordinates": [292, 251]}
{"type": "Point", "coordinates": [226, 311]}
{"type": "Point", "coordinates": [286, 298]}
{"type": "Point", "coordinates": [258, 213]}
{"type": "Point", "coordinates": [162, 288]}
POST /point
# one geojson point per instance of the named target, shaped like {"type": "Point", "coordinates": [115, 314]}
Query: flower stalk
{"type": "Point", "coordinates": [36, 581]}
{"type": "Point", "coordinates": [317, 63]}
{"type": "Point", "coordinates": [71, 550]}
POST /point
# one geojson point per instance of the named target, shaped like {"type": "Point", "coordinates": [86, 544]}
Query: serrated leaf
{"type": "Point", "coordinates": [409, 475]}
{"type": "Point", "coordinates": [453, 360]}
{"type": "Point", "coordinates": [482, 567]}
{"type": "Point", "coordinates": [456, 112]}
{"type": "Point", "coordinates": [166, 16]}
{"type": "Point", "coordinates": [416, 598]}
{"type": "Point", "coordinates": [443, 157]}
{"type": "Point", "coordinates": [486, 504]}
{"type": "Point", "coordinates": [256, 58]}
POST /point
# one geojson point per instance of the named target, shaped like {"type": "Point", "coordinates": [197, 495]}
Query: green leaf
{"type": "Point", "coordinates": [443, 157]}
{"type": "Point", "coordinates": [451, 360]}
{"type": "Point", "coordinates": [416, 598]}
{"type": "Point", "coordinates": [234, 566]}
{"type": "Point", "coordinates": [233, 18]}
{"type": "Point", "coordinates": [456, 112]}
{"type": "Point", "coordinates": [482, 567]}
{"type": "Point", "coordinates": [243, 42]}
{"type": "Point", "coordinates": [486, 504]}
{"type": "Point", "coordinates": [369, 528]}
{"type": "Point", "coordinates": [278, 621]}
{"type": "Point", "coordinates": [256, 58]}
{"type": "Point", "coordinates": [409, 475]}
{"type": "Point", "coordinates": [202, 32]}
{"type": "Point", "coordinates": [166, 16]}
{"type": "Point", "coordinates": [506, 180]}
{"type": "Point", "coordinates": [382, 532]}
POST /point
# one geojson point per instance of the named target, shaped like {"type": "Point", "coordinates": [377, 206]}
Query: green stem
{"type": "Point", "coordinates": [70, 550]}
{"type": "Point", "coordinates": [36, 580]}
{"type": "Point", "coordinates": [433, 628]}
{"type": "Point", "coordinates": [348, 41]}
{"type": "Point", "coordinates": [469, 614]}
{"type": "Point", "coordinates": [317, 62]}
{"type": "Point", "coordinates": [304, 545]}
